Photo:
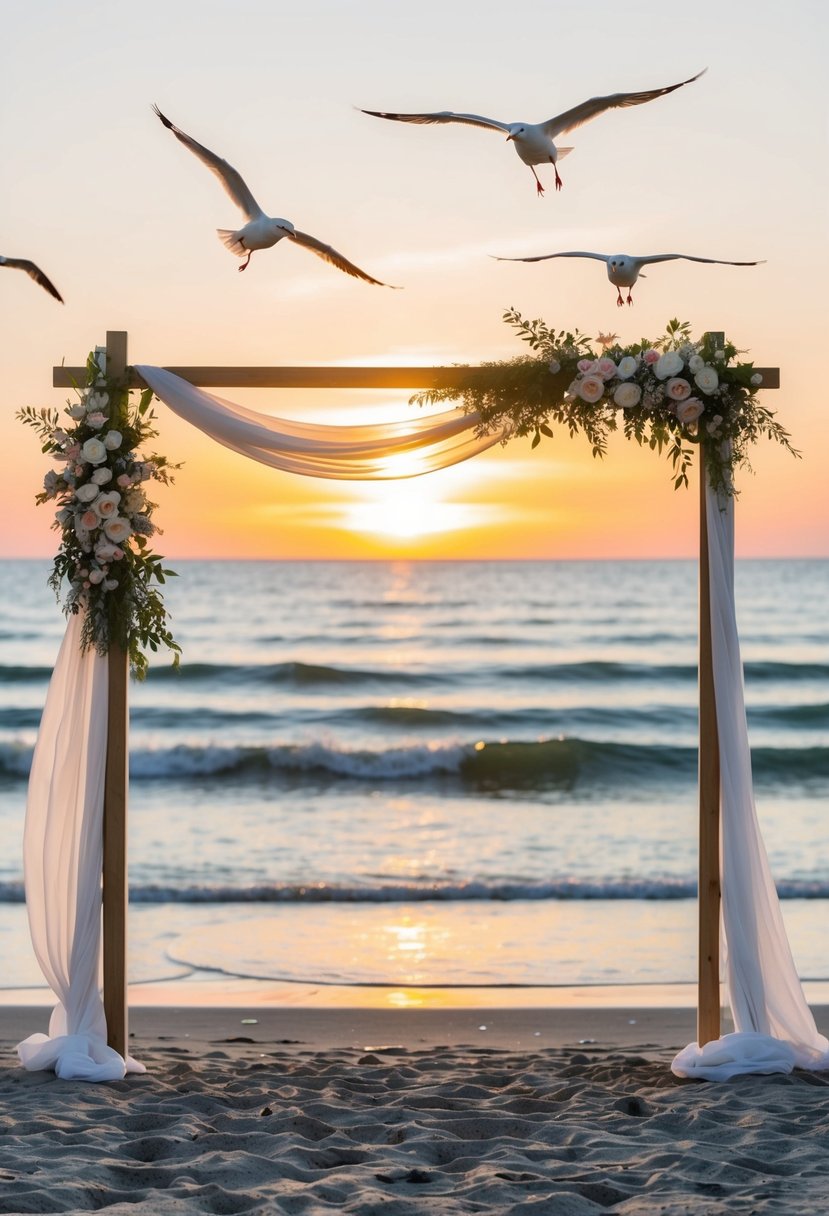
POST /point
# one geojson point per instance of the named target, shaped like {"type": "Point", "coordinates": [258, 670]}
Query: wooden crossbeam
{"type": "Point", "coordinates": [323, 377]}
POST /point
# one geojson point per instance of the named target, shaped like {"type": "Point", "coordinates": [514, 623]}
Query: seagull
{"type": "Point", "coordinates": [623, 269]}
{"type": "Point", "coordinates": [534, 141]}
{"type": "Point", "coordinates": [34, 272]}
{"type": "Point", "coordinates": [261, 231]}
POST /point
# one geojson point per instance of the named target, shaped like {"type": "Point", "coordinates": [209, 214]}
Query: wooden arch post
{"type": "Point", "coordinates": [115, 801]}
{"type": "Point", "coordinates": [708, 889]}
{"type": "Point", "coordinates": [115, 890]}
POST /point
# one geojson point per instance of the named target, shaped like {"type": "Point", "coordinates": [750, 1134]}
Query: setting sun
{"type": "Point", "coordinates": [408, 510]}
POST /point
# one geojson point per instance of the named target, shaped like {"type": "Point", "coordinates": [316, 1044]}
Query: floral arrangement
{"type": "Point", "coordinates": [671, 394]}
{"type": "Point", "coordinates": [105, 517]}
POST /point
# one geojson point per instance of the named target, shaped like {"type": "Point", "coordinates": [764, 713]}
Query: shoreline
{"type": "Point", "coordinates": [624, 1016]}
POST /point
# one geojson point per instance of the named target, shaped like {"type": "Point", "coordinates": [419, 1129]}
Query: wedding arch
{"type": "Point", "coordinates": [75, 846]}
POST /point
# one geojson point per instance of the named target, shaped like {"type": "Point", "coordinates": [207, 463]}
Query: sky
{"type": "Point", "coordinates": [123, 219]}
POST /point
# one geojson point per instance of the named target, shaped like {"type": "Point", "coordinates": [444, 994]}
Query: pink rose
{"type": "Point", "coordinates": [117, 555]}
{"type": "Point", "coordinates": [678, 389]}
{"type": "Point", "coordinates": [106, 505]}
{"type": "Point", "coordinates": [689, 410]}
{"type": "Point", "coordinates": [584, 365]}
{"type": "Point", "coordinates": [89, 520]}
{"type": "Point", "coordinates": [590, 389]}
{"type": "Point", "coordinates": [96, 576]}
{"type": "Point", "coordinates": [123, 481]}
{"type": "Point", "coordinates": [96, 419]}
{"type": "Point", "coordinates": [606, 368]}
{"type": "Point", "coordinates": [117, 528]}
{"type": "Point", "coordinates": [651, 356]}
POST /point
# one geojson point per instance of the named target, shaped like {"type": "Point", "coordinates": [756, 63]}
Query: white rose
{"type": "Point", "coordinates": [678, 389]}
{"type": "Point", "coordinates": [110, 584]}
{"type": "Point", "coordinates": [689, 410]}
{"type": "Point", "coordinates": [112, 440]}
{"type": "Point", "coordinates": [695, 363]}
{"type": "Point", "coordinates": [590, 388]}
{"type": "Point", "coordinates": [105, 551]}
{"type": "Point", "coordinates": [117, 528]}
{"type": "Point", "coordinates": [102, 476]}
{"type": "Point", "coordinates": [667, 365]}
{"type": "Point", "coordinates": [106, 505]}
{"type": "Point", "coordinates": [87, 493]}
{"type": "Point", "coordinates": [706, 379]}
{"type": "Point", "coordinates": [96, 576]}
{"type": "Point", "coordinates": [627, 395]}
{"type": "Point", "coordinates": [94, 451]}
{"type": "Point", "coordinates": [756, 379]}
{"type": "Point", "coordinates": [627, 367]}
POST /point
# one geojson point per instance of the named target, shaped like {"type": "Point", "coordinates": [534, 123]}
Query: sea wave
{"type": "Point", "coordinates": [505, 765]}
{"type": "Point", "coordinates": [302, 675]}
{"type": "Point", "coordinates": [652, 889]}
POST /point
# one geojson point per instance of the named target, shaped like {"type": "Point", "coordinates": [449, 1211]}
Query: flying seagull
{"type": "Point", "coordinates": [534, 141]}
{"type": "Point", "coordinates": [34, 272]}
{"type": "Point", "coordinates": [261, 231]}
{"type": "Point", "coordinates": [623, 269]}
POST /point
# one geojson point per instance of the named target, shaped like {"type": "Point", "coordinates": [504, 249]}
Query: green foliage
{"type": "Point", "coordinates": [531, 394]}
{"type": "Point", "coordinates": [104, 567]}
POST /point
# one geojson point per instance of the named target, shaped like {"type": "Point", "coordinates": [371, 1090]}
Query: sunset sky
{"type": "Point", "coordinates": [123, 219]}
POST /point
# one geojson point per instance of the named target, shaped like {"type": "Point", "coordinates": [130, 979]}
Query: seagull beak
{"type": "Point", "coordinates": [509, 137]}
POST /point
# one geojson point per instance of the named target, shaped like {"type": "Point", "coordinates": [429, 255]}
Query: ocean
{"type": "Point", "coordinates": [460, 774]}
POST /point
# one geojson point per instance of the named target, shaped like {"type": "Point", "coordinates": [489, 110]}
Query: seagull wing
{"type": "Point", "coordinates": [471, 120]}
{"type": "Point", "coordinates": [687, 257]}
{"type": "Point", "coordinates": [34, 272]}
{"type": "Point", "coordinates": [328, 254]}
{"type": "Point", "coordinates": [600, 257]}
{"type": "Point", "coordinates": [597, 105]}
{"type": "Point", "coordinates": [230, 178]}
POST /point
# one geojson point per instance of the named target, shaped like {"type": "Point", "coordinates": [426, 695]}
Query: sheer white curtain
{"type": "Point", "coordinates": [388, 451]}
{"type": "Point", "coordinates": [774, 1027]}
{"type": "Point", "coordinates": [62, 866]}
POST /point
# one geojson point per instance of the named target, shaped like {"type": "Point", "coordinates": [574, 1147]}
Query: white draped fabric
{"type": "Point", "coordinates": [775, 1030]}
{"type": "Point", "coordinates": [774, 1027]}
{"type": "Point", "coordinates": [62, 866]}
{"type": "Point", "coordinates": [355, 453]}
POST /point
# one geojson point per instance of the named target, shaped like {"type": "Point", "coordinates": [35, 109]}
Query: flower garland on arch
{"type": "Point", "coordinates": [670, 394]}
{"type": "Point", "coordinates": [105, 517]}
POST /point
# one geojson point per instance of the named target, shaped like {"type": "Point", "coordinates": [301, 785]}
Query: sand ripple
{"type": "Point", "coordinates": [552, 1132]}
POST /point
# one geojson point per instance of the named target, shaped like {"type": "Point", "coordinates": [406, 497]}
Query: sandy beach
{"type": "Point", "coordinates": [308, 1110]}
